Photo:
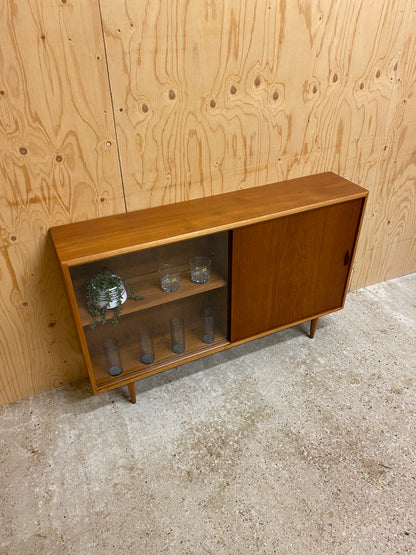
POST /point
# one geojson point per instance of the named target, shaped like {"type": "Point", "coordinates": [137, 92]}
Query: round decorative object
{"type": "Point", "coordinates": [113, 296]}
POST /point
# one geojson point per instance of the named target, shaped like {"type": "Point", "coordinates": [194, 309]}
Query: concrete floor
{"type": "Point", "coordinates": [282, 445]}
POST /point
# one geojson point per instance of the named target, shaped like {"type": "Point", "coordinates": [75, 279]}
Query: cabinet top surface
{"type": "Point", "coordinates": [90, 240]}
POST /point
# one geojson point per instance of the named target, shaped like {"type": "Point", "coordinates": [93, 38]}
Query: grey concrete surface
{"type": "Point", "coordinates": [282, 445]}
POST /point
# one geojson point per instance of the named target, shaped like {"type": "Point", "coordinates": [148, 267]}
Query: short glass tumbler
{"type": "Point", "coordinates": [200, 269]}
{"type": "Point", "coordinates": [170, 278]}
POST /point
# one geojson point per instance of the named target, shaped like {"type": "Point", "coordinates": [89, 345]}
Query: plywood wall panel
{"type": "Point", "coordinates": [58, 164]}
{"type": "Point", "coordinates": [220, 95]}
{"type": "Point", "coordinates": [387, 245]}
{"type": "Point", "coordinates": [37, 343]}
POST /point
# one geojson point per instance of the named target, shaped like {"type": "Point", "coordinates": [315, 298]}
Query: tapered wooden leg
{"type": "Point", "coordinates": [313, 327]}
{"type": "Point", "coordinates": [132, 391]}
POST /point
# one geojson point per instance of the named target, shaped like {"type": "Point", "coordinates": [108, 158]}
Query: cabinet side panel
{"type": "Point", "coordinates": [292, 268]}
{"type": "Point", "coordinates": [77, 321]}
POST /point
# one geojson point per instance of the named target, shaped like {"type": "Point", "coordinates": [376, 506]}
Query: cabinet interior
{"type": "Point", "coordinates": [154, 313]}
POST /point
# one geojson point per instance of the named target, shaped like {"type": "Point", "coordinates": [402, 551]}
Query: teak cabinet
{"type": "Point", "coordinates": [281, 254]}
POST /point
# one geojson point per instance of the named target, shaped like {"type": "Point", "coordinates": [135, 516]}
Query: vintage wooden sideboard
{"type": "Point", "coordinates": [281, 254]}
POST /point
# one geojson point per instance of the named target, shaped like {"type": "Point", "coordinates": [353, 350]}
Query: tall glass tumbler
{"type": "Point", "coordinates": [112, 356]}
{"type": "Point", "coordinates": [177, 335]}
{"type": "Point", "coordinates": [208, 333]}
{"type": "Point", "coordinates": [147, 354]}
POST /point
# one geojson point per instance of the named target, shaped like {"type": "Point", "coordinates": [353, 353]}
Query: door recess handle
{"type": "Point", "coordinates": [347, 258]}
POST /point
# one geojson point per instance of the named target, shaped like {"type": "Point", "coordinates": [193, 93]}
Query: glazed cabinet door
{"type": "Point", "coordinates": [292, 268]}
{"type": "Point", "coordinates": [169, 325]}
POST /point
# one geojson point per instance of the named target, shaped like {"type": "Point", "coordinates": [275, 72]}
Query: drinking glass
{"type": "Point", "coordinates": [208, 334]}
{"type": "Point", "coordinates": [112, 356]}
{"type": "Point", "coordinates": [170, 278]}
{"type": "Point", "coordinates": [147, 354]}
{"type": "Point", "coordinates": [200, 269]}
{"type": "Point", "coordinates": [177, 334]}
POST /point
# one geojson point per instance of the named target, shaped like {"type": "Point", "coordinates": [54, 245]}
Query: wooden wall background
{"type": "Point", "coordinates": [114, 105]}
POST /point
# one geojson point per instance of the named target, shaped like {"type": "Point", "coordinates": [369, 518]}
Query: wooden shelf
{"type": "Point", "coordinates": [148, 285]}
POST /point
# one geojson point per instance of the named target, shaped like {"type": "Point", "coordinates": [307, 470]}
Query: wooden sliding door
{"type": "Point", "coordinates": [292, 268]}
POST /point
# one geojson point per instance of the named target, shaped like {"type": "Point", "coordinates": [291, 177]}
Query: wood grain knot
{"type": "Point", "coordinates": [361, 85]}
{"type": "Point", "coordinates": [335, 78]}
{"type": "Point", "coordinates": [145, 108]}
{"type": "Point", "coordinates": [396, 65]}
{"type": "Point", "coordinates": [212, 103]}
{"type": "Point", "coordinates": [315, 89]}
{"type": "Point", "coordinates": [257, 81]}
{"type": "Point", "coordinates": [23, 150]}
{"type": "Point", "coordinates": [275, 95]}
{"type": "Point", "coordinates": [59, 158]}
{"type": "Point", "coordinates": [378, 73]}
{"type": "Point", "coordinates": [233, 89]}
{"type": "Point", "coordinates": [172, 94]}
{"type": "Point", "coordinates": [2, 93]}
